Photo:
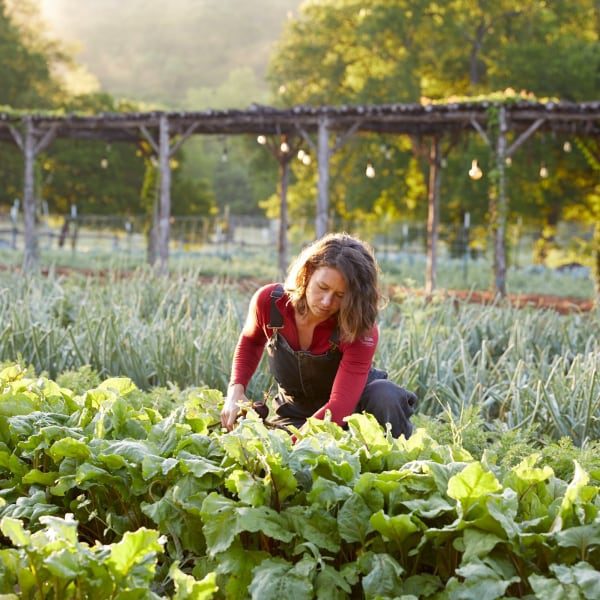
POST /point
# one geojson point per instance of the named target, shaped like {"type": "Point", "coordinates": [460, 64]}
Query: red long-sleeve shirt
{"type": "Point", "coordinates": [354, 366]}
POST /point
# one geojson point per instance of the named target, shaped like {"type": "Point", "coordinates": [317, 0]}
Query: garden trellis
{"type": "Point", "coordinates": [505, 126]}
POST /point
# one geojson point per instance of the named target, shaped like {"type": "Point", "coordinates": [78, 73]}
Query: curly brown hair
{"type": "Point", "coordinates": [355, 260]}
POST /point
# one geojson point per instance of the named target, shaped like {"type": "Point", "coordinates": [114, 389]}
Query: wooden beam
{"type": "Point", "coordinates": [524, 137]}
{"type": "Point", "coordinates": [481, 132]}
{"type": "Point", "coordinates": [30, 255]}
{"type": "Point", "coordinates": [433, 217]}
{"type": "Point", "coordinates": [323, 154]}
{"type": "Point", "coordinates": [16, 134]}
{"type": "Point", "coordinates": [148, 137]}
{"type": "Point", "coordinates": [47, 138]}
{"type": "Point", "coordinates": [165, 195]}
{"type": "Point", "coordinates": [184, 136]}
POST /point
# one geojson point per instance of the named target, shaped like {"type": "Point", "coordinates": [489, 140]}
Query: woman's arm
{"type": "Point", "coordinates": [351, 377]}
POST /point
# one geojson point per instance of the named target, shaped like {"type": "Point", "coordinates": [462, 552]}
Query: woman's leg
{"type": "Point", "coordinates": [389, 403]}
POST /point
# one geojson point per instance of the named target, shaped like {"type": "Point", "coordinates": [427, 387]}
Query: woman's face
{"type": "Point", "coordinates": [324, 292]}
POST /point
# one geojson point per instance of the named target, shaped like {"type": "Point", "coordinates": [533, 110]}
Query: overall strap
{"type": "Point", "coordinates": [275, 316]}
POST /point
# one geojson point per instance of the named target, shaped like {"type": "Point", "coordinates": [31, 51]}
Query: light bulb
{"type": "Point", "coordinates": [284, 147]}
{"type": "Point", "coordinates": [567, 146]}
{"type": "Point", "coordinates": [104, 163]}
{"type": "Point", "coordinates": [224, 157]}
{"type": "Point", "coordinates": [508, 161]}
{"type": "Point", "coordinates": [306, 160]}
{"type": "Point", "coordinates": [261, 139]}
{"type": "Point", "coordinates": [543, 171]}
{"type": "Point", "coordinates": [370, 170]}
{"type": "Point", "coordinates": [475, 172]}
{"type": "Point", "coordinates": [301, 154]}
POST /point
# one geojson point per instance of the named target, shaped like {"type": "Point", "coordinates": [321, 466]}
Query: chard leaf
{"type": "Point", "coordinates": [472, 484]}
{"type": "Point", "coordinates": [119, 385]}
{"type": "Point", "coordinates": [281, 478]}
{"type": "Point", "coordinates": [422, 586]}
{"type": "Point", "coordinates": [189, 588]}
{"type": "Point", "coordinates": [275, 578]}
{"type": "Point", "coordinates": [577, 492]}
{"type": "Point", "coordinates": [382, 575]}
{"type": "Point", "coordinates": [353, 520]}
{"type": "Point", "coordinates": [369, 432]}
{"type": "Point", "coordinates": [314, 526]}
{"type": "Point", "coordinates": [37, 476]}
{"type": "Point", "coordinates": [429, 508]}
{"type": "Point", "coordinates": [220, 522]}
{"type": "Point", "coordinates": [134, 548]}
{"type": "Point", "coordinates": [64, 564]}
{"type": "Point", "coordinates": [16, 404]}
{"type": "Point", "coordinates": [265, 520]}
{"type": "Point", "coordinates": [71, 448]}
{"type": "Point", "coordinates": [327, 493]}
{"type": "Point", "coordinates": [581, 537]}
{"type": "Point", "coordinates": [14, 530]}
{"type": "Point", "coordinates": [478, 544]}
{"type": "Point", "coordinates": [237, 564]}
{"type": "Point", "coordinates": [153, 465]}
{"type": "Point", "coordinates": [198, 465]}
{"type": "Point", "coordinates": [330, 584]}
{"type": "Point", "coordinates": [249, 489]}
{"type": "Point", "coordinates": [582, 575]}
{"type": "Point", "coordinates": [396, 528]}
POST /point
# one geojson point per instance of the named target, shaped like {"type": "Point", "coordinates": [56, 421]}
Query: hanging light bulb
{"type": "Point", "coordinates": [567, 146]}
{"type": "Point", "coordinates": [306, 159]}
{"type": "Point", "coordinates": [301, 154]}
{"type": "Point", "coordinates": [370, 170]}
{"type": "Point", "coordinates": [104, 163]}
{"type": "Point", "coordinates": [224, 156]}
{"type": "Point", "coordinates": [508, 161]}
{"type": "Point", "coordinates": [284, 146]}
{"type": "Point", "coordinates": [475, 171]}
{"type": "Point", "coordinates": [261, 139]}
{"type": "Point", "coordinates": [543, 171]}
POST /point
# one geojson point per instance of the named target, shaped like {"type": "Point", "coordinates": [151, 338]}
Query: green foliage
{"type": "Point", "coordinates": [101, 495]}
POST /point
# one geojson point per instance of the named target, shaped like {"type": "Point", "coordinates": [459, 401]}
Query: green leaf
{"type": "Point", "coordinates": [429, 508]}
{"type": "Point", "coordinates": [382, 575]}
{"type": "Point", "coordinates": [354, 520]}
{"type": "Point", "coordinates": [276, 579]}
{"type": "Point", "coordinates": [71, 448]}
{"type": "Point", "coordinates": [14, 530]}
{"type": "Point", "coordinates": [478, 544]}
{"type": "Point", "coordinates": [315, 526]}
{"type": "Point", "coordinates": [120, 385]}
{"type": "Point", "coordinates": [396, 528]}
{"type": "Point", "coordinates": [581, 537]}
{"type": "Point", "coordinates": [265, 520]}
{"type": "Point", "coordinates": [582, 575]}
{"type": "Point", "coordinates": [578, 492]}
{"type": "Point", "coordinates": [64, 564]}
{"type": "Point", "coordinates": [189, 588]}
{"type": "Point", "coordinates": [133, 549]}
{"type": "Point", "coordinates": [220, 522]}
{"type": "Point", "coordinates": [248, 488]}
{"type": "Point", "coordinates": [472, 484]}
{"type": "Point", "coordinates": [238, 563]}
{"type": "Point", "coordinates": [37, 476]}
{"type": "Point", "coordinates": [327, 493]}
{"type": "Point", "coordinates": [330, 584]}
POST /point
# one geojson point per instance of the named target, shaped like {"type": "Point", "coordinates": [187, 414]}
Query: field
{"type": "Point", "coordinates": [116, 480]}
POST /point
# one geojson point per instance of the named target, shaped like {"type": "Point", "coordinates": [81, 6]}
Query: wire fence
{"type": "Point", "coordinates": [229, 233]}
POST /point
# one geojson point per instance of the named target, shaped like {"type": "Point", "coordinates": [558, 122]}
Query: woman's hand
{"type": "Point", "coordinates": [236, 396]}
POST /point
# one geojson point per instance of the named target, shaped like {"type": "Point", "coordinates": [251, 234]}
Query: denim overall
{"type": "Point", "coordinates": [305, 381]}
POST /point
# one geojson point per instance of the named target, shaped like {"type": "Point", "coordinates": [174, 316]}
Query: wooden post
{"type": "Point", "coordinates": [30, 255]}
{"type": "Point", "coordinates": [501, 207]}
{"type": "Point", "coordinates": [323, 153]}
{"type": "Point", "coordinates": [284, 169]}
{"type": "Point", "coordinates": [433, 218]}
{"type": "Point", "coordinates": [165, 195]}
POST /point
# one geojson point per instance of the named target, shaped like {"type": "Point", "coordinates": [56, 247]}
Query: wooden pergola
{"type": "Point", "coordinates": [324, 129]}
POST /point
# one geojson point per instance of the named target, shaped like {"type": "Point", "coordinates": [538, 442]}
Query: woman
{"type": "Point", "coordinates": [320, 333]}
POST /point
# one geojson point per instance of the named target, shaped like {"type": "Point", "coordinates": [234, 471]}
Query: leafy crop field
{"type": "Point", "coordinates": [104, 496]}
{"type": "Point", "coordinates": [116, 480]}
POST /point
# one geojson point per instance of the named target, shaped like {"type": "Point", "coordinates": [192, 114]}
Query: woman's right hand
{"type": "Point", "coordinates": [236, 396]}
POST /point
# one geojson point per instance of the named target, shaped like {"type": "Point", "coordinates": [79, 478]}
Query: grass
{"type": "Point", "coordinates": [519, 369]}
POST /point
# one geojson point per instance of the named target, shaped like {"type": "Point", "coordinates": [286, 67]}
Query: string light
{"type": "Point", "coordinates": [567, 146]}
{"type": "Point", "coordinates": [301, 154]}
{"type": "Point", "coordinates": [543, 171]}
{"type": "Point", "coordinates": [224, 156]}
{"type": "Point", "coordinates": [284, 146]}
{"type": "Point", "coordinates": [261, 139]}
{"type": "Point", "coordinates": [104, 163]}
{"type": "Point", "coordinates": [370, 170]}
{"type": "Point", "coordinates": [306, 159]}
{"type": "Point", "coordinates": [508, 161]}
{"type": "Point", "coordinates": [475, 171]}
